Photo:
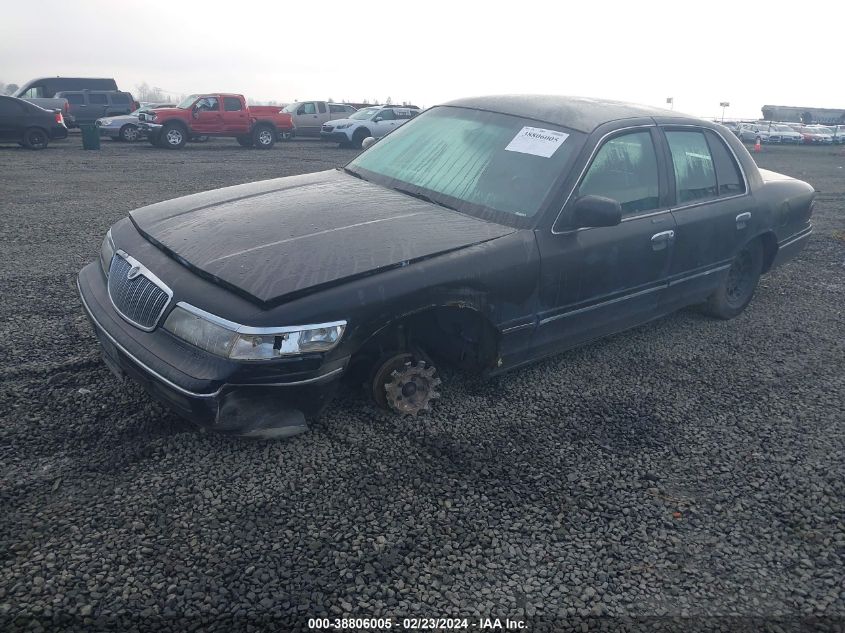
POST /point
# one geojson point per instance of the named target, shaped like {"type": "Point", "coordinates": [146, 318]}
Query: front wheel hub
{"type": "Point", "coordinates": [406, 385]}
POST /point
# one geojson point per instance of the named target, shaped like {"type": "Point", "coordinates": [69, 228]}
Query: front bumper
{"type": "Point", "coordinates": [110, 132]}
{"type": "Point", "coordinates": [335, 137]}
{"type": "Point", "coordinates": [198, 389]}
{"type": "Point", "coordinates": [148, 127]}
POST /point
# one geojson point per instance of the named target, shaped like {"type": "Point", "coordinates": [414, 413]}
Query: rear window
{"type": "Point", "coordinates": [336, 108]}
{"type": "Point", "coordinates": [121, 98]}
{"type": "Point", "coordinates": [98, 99]}
{"type": "Point", "coordinates": [75, 98]}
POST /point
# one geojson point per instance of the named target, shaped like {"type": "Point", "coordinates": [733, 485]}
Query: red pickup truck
{"type": "Point", "coordinates": [215, 114]}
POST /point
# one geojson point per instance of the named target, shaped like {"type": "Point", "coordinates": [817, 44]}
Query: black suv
{"type": "Point", "coordinates": [86, 106]}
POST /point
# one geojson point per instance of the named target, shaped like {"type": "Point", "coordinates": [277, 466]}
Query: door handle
{"type": "Point", "coordinates": [742, 219]}
{"type": "Point", "coordinates": [660, 240]}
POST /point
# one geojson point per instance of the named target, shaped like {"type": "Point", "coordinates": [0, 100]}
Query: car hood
{"type": "Point", "coordinates": [334, 122]}
{"type": "Point", "coordinates": [277, 239]}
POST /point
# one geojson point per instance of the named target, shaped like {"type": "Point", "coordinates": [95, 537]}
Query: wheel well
{"type": "Point", "coordinates": [770, 249]}
{"type": "Point", "coordinates": [176, 123]}
{"type": "Point", "coordinates": [455, 335]}
{"type": "Point", "coordinates": [260, 124]}
{"type": "Point", "coordinates": [363, 130]}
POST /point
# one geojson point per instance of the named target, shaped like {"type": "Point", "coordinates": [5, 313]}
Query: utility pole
{"type": "Point", "coordinates": [724, 105]}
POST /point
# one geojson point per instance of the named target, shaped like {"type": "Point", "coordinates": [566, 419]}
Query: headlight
{"type": "Point", "coordinates": [104, 121]}
{"type": "Point", "coordinates": [239, 342]}
{"type": "Point", "coordinates": [343, 126]}
{"type": "Point", "coordinates": [107, 252]}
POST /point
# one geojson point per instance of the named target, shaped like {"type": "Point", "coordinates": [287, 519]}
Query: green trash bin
{"type": "Point", "coordinates": [90, 136]}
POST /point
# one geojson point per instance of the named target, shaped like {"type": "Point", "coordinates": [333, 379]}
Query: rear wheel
{"type": "Point", "coordinates": [173, 136]}
{"type": "Point", "coordinates": [129, 133]}
{"type": "Point", "coordinates": [35, 138]}
{"type": "Point", "coordinates": [263, 137]}
{"type": "Point", "coordinates": [737, 289]}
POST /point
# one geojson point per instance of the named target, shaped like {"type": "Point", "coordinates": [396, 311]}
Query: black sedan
{"type": "Point", "coordinates": [485, 234]}
{"type": "Point", "coordinates": [28, 124]}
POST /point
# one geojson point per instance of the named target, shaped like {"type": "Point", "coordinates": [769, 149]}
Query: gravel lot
{"type": "Point", "coordinates": [688, 468]}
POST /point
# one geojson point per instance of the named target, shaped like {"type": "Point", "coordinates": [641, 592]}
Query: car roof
{"type": "Point", "coordinates": [578, 113]}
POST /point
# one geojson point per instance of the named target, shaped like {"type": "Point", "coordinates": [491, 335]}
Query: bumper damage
{"type": "Point", "coordinates": [260, 409]}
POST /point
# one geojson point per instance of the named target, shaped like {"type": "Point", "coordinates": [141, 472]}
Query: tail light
{"type": "Point", "coordinates": [59, 118]}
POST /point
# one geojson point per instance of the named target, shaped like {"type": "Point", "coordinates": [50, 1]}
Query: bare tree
{"type": "Point", "coordinates": [11, 89]}
{"type": "Point", "coordinates": [144, 92]}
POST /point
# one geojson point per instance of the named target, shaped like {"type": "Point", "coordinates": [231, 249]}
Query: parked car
{"type": "Point", "coordinates": [839, 134]}
{"type": "Point", "coordinates": [28, 124]}
{"type": "Point", "coordinates": [215, 114]}
{"type": "Point", "coordinates": [86, 106]}
{"type": "Point", "coordinates": [786, 133]}
{"type": "Point", "coordinates": [375, 121]}
{"type": "Point", "coordinates": [309, 116]}
{"type": "Point", "coordinates": [827, 130]}
{"type": "Point", "coordinates": [125, 127]}
{"type": "Point", "coordinates": [750, 132]}
{"type": "Point", "coordinates": [487, 233]}
{"type": "Point", "coordinates": [816, 136]}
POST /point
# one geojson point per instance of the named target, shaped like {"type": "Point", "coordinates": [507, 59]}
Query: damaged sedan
{"type": "Point", "coordinates": [485, 234]}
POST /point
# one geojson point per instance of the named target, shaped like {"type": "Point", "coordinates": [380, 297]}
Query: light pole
{"type": "Point", "coordinates": [724, 105]}
{"type": "Point", "coordinates": [671, 102]}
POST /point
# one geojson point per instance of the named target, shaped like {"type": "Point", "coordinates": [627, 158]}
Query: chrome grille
{"type": "Point", "coordinates": [141, 299]}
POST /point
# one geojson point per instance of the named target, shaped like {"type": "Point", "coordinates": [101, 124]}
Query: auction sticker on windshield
{"type": "Point", "coordinates": [536, 141]}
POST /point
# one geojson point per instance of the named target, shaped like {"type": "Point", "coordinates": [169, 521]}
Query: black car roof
{"type": "Point", "coordinates": [578, 113]}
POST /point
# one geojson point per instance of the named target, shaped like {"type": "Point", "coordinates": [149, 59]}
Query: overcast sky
{"type": "Point", "coordinates": [430, 51]}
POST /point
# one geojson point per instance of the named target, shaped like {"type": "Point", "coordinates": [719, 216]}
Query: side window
{"type": "Point", "coordinates": [625, 169]}
{"type": "Point", "coordinates": [728, 176]}
{"type": "Point", "coordinates": [36, 92]}
{"type": "Point", "coordinates": [308, 108]}
{"type": "Point", "coordinates": [9, 108]}
{"type": "Point", "coordinates": [98, 98]}
{"type": "Point", "coordinates": [321, 107]}
{"type": "Point", "coordinates": [695, 176]}
{"type": "Point", "coordinates": [120, 98]}
{"type": "Point", "coordinates": [231, 104]}
{"type": "Point", "coordinates": [387, 115]}
{"type": "Point", "coordinates": [75, 98]}
{"type": "Point", "coordinates": [334, 109]}
{"type": "Point", "coordinates": [208, 104]}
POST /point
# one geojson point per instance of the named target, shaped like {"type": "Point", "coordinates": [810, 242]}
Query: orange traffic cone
{"type": "Point", "coordinates": [757, 146]}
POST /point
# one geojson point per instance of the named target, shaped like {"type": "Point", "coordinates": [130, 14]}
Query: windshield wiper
{"type": "Point", "coordinates": [421, 196]}
{"type": "Point", "coordinates": [353, 173]}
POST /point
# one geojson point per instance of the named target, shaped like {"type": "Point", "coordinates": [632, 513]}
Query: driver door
{"type": "Point", "coordinates": [599, 280]}
{"type": "Point", "coordinates": [384, 122]}
{"type": "Point", "coordinates": [206, 114]}
{"type": "Point", "coordinates": [307, 122]}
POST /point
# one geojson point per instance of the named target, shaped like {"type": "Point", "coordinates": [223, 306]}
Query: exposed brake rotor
{"type": "Point", "coordinates": [411, 387]}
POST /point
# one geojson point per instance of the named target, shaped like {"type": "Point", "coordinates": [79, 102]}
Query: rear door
{"type": "Point", "coordinates": [235, 117]}
{"type": "Point", "coordinates": [98, 105]}
{"type": "Point", "coordinates": [322, 113]}
{"type": "Point", "coordinates": [714, 213]}
{"type": "Point", "coordinates": [11, 119]}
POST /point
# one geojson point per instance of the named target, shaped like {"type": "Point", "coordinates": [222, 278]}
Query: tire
{"type": "Point", "coordinates": [173, 136]}
{"type": "Point", "coordinates": [129, 133]}
{"type": "Point", "coordinates": [263, 137]}
{"type": "Point", "coordinates": [153, 138]}
{"type": "Point", "coordinates": [737, 289]}
{"type": "Point", "coordinates": [359, 136]}
{"type": "Point", "coordinates": [35, 138]}
{"type": "Point", "coordinates": [244, 141]}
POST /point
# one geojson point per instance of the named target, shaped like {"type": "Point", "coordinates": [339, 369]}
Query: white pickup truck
{"type": "Point", "coordinates": [309, 116]}
{"type": "Point", "coordinates": [375, 121]}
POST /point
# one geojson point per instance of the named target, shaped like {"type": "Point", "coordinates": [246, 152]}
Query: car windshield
{"type": "Point", "coordinates": [366, 113]}
{"type": "Point", "coordinates": [187, 102]}
{"type": "Point", "coordinates": [782, 128]}
{"type": "Point", "coordinates": [491, 165]}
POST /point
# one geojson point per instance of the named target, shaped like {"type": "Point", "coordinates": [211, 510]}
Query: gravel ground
{"type": "Point", "coordinates": [688, 468]}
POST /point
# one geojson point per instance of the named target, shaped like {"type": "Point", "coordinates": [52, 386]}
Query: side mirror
{"type": "Point", "coordinates": [377, 119]}
{"type": "Point", "coordinates": [368, 142]}
{"type": "Point", "coordinates": [595, 211]}
{"type": "Point", "coordinates": [300, 110]}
